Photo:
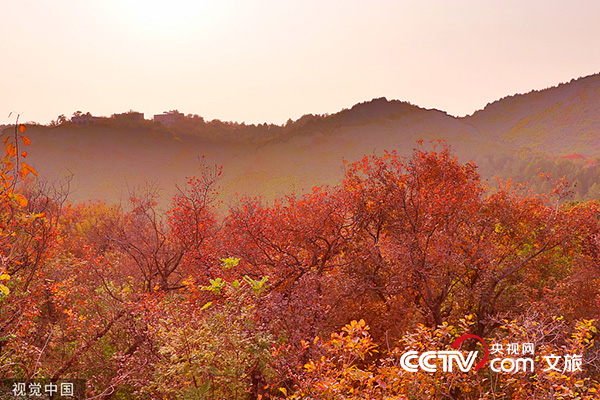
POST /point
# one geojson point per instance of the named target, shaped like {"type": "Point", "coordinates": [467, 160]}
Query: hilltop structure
{"type": "Point", "coordinates": [168, 118]}
{"type": "Point", "coordinates": [84, 119]}
{"type": "Point", "coordinates": [130, 115]}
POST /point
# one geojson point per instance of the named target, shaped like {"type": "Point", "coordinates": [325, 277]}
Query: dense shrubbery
{"type": "Point", "coordinates": [192, 304]}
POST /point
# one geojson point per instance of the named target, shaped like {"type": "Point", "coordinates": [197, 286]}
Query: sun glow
{"type": "Point", "coordinates": [161, 17]}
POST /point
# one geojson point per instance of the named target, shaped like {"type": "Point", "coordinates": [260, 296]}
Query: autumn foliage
{"type": "Point", "coordinates": [310, 296]}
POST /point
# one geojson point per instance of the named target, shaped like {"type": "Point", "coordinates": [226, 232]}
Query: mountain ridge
{"type": "Point", "coordinates": [511, 135]}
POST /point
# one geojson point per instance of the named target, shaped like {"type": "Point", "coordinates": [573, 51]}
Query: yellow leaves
{"type": "Point", "coordinates": [189, 281]}
{"type": "Point", "coordinates": [310, 367]}
{"type": "Point", "coordinates": [230, 262]}
{"type": "Point", "coordinates": [356, 326]}
{"type": "Point", "coordinates": [21, 200]}
{"type": "Point", "coordinates": [29, 218]}
{"type": "Point", "coordinates": [216, 285]}
{"type": "Point", "coordinates": [4, 289]}
{"type": "Point", "coordinates": [26, 140]}
{"type": "Point", "coordinates": [257, 286]}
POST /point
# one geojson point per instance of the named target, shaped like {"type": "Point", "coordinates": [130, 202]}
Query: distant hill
{"type": "Point", "coordinates": [561, 120]}
{"type": "Point", "coordinates": [555, 130]}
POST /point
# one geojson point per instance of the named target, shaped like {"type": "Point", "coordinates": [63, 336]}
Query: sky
{"type": "Point", "coordinates": [258, 61]}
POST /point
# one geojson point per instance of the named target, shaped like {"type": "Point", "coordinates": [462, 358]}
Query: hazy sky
{"type": "Point", "coordinates": [267, 61]}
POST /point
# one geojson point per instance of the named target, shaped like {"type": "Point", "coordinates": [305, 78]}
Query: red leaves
{"type": "Point", "coordinates": [403, 241]}
{"type": "Point", "coordinates": [11, 161]}
{"type": "Point", "coordinates": [26, 169]}
{"type": "Point", "coordinates": [11, 149]}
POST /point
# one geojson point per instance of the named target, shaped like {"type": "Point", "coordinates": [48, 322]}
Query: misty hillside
{"type": "Point", "coordinates": [561, 120]}
{"type": "Point", "coordinates": [556, 130]}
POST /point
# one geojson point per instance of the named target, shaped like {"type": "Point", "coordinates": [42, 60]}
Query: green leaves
{"type": "Point", "coordinates": [257, 286]}
{"type": "Point", "coordinates": [218, 285]}
{"type": "Point", "coordinates": [214, 349]}
{"type": "Point", "coordinates": [230, 262]}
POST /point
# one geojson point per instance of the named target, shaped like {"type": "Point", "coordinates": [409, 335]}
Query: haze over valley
{"type": "Point", "coordinates": [556, 130]}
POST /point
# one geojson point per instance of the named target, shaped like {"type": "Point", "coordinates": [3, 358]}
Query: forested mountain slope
{"type": "Point", "coordinates": [556, 130]}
